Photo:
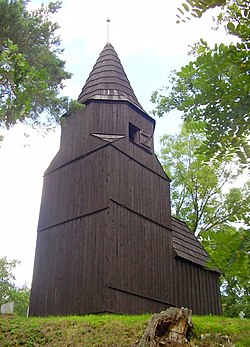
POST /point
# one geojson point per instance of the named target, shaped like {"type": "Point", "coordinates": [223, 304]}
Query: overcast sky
{"type": "Point", "coordinates": [149, 43]}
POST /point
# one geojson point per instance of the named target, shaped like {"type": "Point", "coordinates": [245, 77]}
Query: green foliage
{"type": "Point", "coordinates": [9, 292]}
{"type": "Point", "coordinates": [230, 249]}
{"type": "Point", "coordinates": [236, 19]}
{"type": "Point", "coordinates": [112, 330]}
{"type": "Point", "coordinates": [21, 298]}
{"type": "Point", "coordinates": [202, 196]}
{"type": "Point", "coordinates": [196, 8]}
{"type": "Point", "coordinates": [198, 189]}
{"type": "Point", "coordinates": [31, 72]}
{"type": "Point", "coordinates": [6, 278]}
{"type": "Point", "coordinates": [214, 88]}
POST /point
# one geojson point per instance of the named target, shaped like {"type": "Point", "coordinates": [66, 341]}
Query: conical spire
{"type": "Point", "coordinates": [108, 80]}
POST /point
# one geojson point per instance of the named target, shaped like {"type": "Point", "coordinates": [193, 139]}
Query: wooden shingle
{"type": "Point", "coordinates": [187, 246]}
{"type": "Point", "coordinates": [108, 80]}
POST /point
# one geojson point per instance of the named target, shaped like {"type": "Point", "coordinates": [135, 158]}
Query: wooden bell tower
{"type": "Point", "coordinates": [106, 241]}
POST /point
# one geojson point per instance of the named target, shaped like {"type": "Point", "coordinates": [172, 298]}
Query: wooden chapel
{"type": "Point", "coordinates": [106, 241]}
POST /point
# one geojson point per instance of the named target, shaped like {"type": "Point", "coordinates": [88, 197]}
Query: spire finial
{"type": "Point", "coordinates": [108, 21]}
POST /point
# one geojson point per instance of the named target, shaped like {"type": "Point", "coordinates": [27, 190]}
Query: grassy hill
{"type": "Point", "coordinates": [113, 331]}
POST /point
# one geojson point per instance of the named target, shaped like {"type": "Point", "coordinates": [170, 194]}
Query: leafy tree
{"type": "Point", "coordinates": [31, 72]}
{"type": "Point", "coordinates": [21, 297]}
{"type": "Point", "coordinates": [214, 87]}
{"type": "Point", "coordinates": [196, 8]}
{"type": "Point", "coordinates": [9, 291]}
{"type": "Point", "coordinates": [203, 196]}
{"type": "Point", "coordinates": [200, 191]}
{"type": "Point", "coordinates": [6, 278]}
{"type": "Point", "coordinates": [230, 249]}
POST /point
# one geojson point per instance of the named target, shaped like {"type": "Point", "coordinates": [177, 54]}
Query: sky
{"type": "Point", "coordinates": [149, 44]}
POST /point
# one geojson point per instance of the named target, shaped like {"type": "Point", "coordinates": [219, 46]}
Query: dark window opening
{"type": "Point", "coordinates": [139, 137]}
{"type": "Point", "coordinates": [134, 133]}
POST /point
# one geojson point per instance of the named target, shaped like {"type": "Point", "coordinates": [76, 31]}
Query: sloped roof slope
{"type": "Point", "coordinates": [108, 80]}
{"type": "Point", "coordinates": [187, 246]}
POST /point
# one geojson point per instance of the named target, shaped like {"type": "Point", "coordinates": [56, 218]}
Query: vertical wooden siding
{"type": "Point", "coordinates": [104, 229]}
{"type": "Point", "coordinates": [68, 270]}
{"type": "Point", "coordinates": [196, 288]}
{"type": "Point", "coordinates": [139, 189]}
{"type": "Point", "coordinates": [139, 262]}
{"type": "Point", "coordinates": [98, 117]}
{"type": "Point", "coordinates": [74, 190]}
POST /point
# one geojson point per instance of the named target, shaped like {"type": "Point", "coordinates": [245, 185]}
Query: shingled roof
{"type": "Point", "coordinates": [108, 80]}
{"type": "Point", "coordinates": [187, 246]}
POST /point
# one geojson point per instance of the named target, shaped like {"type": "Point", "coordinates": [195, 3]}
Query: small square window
{"type": "Point", "coordinates": [139, 137]}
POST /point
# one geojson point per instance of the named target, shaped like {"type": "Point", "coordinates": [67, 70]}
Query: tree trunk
{"type": "Point", "coordinates": [168, 328]}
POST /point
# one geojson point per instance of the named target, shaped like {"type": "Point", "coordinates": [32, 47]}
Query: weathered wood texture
{"type": "Point", "coordinates": [168, 328]}
{"type": "Point", "coordinates": [69, 193]}
{"type": "Point", "coordinates": [68, 269]}
{"type": "Point", "coordinates": [108, 118]}
{"type": "Point", "coordinates": [137, 241]}
{"type": "Point", "coordinates": [108, 80]}
{"type": "Point", "coordinates": [105, 240]}
{"type": "Point", "coordinates": [139, 263]}
{"type": "Point", "coordinates": [197, 279]}
{"type": "Point", "coordinates": [186, 245]}
{"type": "Point", "coordinates": [196, 288]}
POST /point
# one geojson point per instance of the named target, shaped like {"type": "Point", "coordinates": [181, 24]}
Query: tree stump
{"type": "Point", "coordinates": [168, 328]}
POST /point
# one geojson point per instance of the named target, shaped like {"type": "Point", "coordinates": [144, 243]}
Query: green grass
{"type": "Point", "coordinates": [112, 331]}
{"type": "Point", "coordinates": [238, 330]}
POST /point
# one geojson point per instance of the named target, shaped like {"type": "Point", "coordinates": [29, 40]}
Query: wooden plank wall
{"type": "Point", "coordinates": [138, 263]}
{"type": "Point", "coordinates": [70, 239]}
{"type": "Point", "coordinates": [99, 117]}
{"type": "Point", "coordinates": [140, 189]}
{"type": "Point", "coordinates": [130, 303]}
{"type": "Point", "coordinates": [68, 270]}
{"type": "Point", "coordinates": [104, 229]}
{"type": "Point", "coordinates": [196, 288]}
{"type": "Point", "coordinates": [74, 190]}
